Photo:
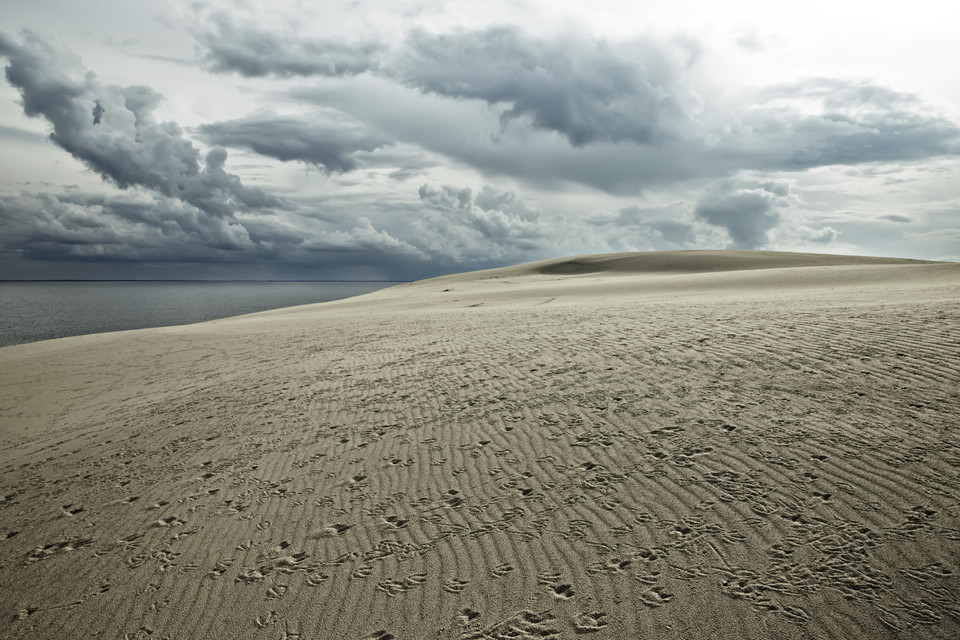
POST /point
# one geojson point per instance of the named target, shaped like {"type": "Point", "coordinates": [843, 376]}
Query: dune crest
{"type": "Point", "coordinates": [633, 448]}
{"type": "Point", "coordinates": [682, 262]}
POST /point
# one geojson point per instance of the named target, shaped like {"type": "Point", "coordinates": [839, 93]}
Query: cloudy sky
{"type": "Point", "coordinates": [401, 139]}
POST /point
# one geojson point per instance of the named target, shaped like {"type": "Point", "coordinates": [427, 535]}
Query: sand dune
{"type": "Point", "coordinates": [675, 445]}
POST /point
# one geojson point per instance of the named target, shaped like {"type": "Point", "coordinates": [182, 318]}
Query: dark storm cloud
{"type": "Point", "coordinates": [112, 130]}
{"type": "Point", "coordinates": [92, 227]}
{"type": "Point", "coordinates": [618, 116]}
{"type": "Point", "coordinates": [588, 91]}
{"type": "Point", "coordinates": [324, 140]}
{"type": "Point", "coordinates": [137, 227]}
{"type": "Point", "coordinates": [748, 210]}
{"type": "Point", "coordinates": [254, 52]}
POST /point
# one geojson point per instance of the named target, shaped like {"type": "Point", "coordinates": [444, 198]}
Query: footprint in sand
{"type": "Point", "coordinates": [277, 591]}
{"type": "Point", "coordinates": [562, 591]}
{"type": "Point", "coordinates": [611, 566]}
{"type": "Point", "coordinates": [467, 616]}
{"type": "Point", "coordinates": [379, 635]}
{"type": "Point", "coordinates": [523, 625]}
{"type": "Point", "coordinates": [250, 576]}
{"type": "Point", "coordinates": [501, 570]}
{"type": "Point", "coordinates": [316, 579]}
{"type": "Point", "coordinates": [590, 622]}
{"type": "Point", "coordinates": [455, 585]}
{"type": "Point", "coordinates": [655, 597]}
{"type": "Point", "coordinates": [363, 571]}
{"type": "Point", "coordinates": [548, 577]}
{"type": "Point", "coordinates": [335, 529]}
{"type": "Point", "coordinates": [219, 569]}
{"type": "Point", "coordinates": [267, 620]}
{"type": "Point", "coordinates": [395, 522]}
{"type": "Point", "coordinates": [172, 521]}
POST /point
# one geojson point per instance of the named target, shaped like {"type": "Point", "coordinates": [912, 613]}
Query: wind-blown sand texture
{"type": "Point", "coordinates": [663, 445]}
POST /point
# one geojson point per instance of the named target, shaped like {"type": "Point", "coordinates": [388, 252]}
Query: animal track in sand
{"type": "Point", "coordinates": [250, 575]}
{"type": "Point", "coordinates": [396, 587]}
{"type": "Point", "coordinates": [267, 620]}
{"type": "Point", "coordinates": [613, 565]}
{"type": "Point", "coordinates": [562, 591]}
{"type": "Point", "coordinates": [171, 521]}
{"type": "Point", "coordinates": [277, 591]}
{"type": "Point", "coordinates": [362, 571]}
{"type": "Point", "coordinates": [316, 579]}
{"type": "Point", "coordinates": [548, 577]}
{"type": "Point", "coordinates": [649, 554]}
{"type": "Point", "coordinates": [39, 553]}
{"type": "Point", "coordinates": [220, 568]}
{"type": "Point", "coordinates": [655, 597]}
{"type": "Point", "coordinates": [396, 522]}
{"type": "Point", "coordinates": [335, 529]}
{"type": "Point", "coordinates": [379, 635]}
{"type": "Point", "coordinates": [467, 616]}
{"type": "Point", "coordinates": [501, 570]}
{"type": "Point", "coordinates": [455, 585]}
{"type": "Point", "coordinates": [590, 621]}
{"type": "Point", "coordinates": [522, 625]}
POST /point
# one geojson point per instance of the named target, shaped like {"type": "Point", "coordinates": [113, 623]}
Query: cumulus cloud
{"type": "Point", "coordinates": [494, 214]}
{"type": "Point", "coordinates": [483, 228]}
{"type": "Point", "coordinates": [825, 235]}
{"type": "Point", "coordinates": [326, 139]}
{"type": "Point", "coordinates": [747, 209]}
{"type": "Point", "coordinates": [112, 130]}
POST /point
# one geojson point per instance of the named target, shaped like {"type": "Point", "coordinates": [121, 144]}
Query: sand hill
{"type": "Point", "coordinates": [663, 445]}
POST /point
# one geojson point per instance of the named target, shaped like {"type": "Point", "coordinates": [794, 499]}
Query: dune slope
{"type": "Point", "coordinates": [617, 447]}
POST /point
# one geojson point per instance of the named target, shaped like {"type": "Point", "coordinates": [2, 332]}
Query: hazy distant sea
{"type": "Point", "coordinates": [32, 311]}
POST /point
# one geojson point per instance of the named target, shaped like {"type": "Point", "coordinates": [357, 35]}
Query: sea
{"type": "Point", "coordinates": [34, 311]}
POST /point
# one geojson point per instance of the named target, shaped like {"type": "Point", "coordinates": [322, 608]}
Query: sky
{"type": "Point", "coordinates": [403, 139]}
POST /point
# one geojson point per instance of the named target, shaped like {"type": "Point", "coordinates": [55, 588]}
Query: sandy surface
{"type": "Point", "coordinates": [681, 445]}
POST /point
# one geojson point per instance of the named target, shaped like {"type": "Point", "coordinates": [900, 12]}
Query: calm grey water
{"type": "Point", "coordinates": [32, 311]}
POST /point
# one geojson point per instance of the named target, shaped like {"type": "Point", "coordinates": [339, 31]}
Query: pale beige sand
{"type": "Point", "coordinates": [684, 445]}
